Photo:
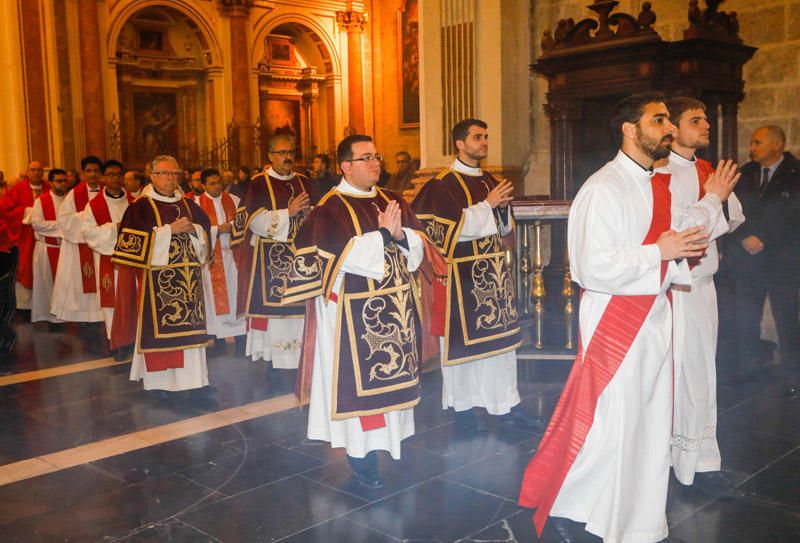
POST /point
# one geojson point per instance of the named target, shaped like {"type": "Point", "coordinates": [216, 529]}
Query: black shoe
{"type": "Point", "coordinates": [715, 483]}
{"type": "Point", "coordinates": [564, 529]}
{"type": "Point", "coordinates": [120, 355]}
{"type": "Point", "coordinates": [366, 470]}
{"type": "Point", "coordinates": [468, 420]}
{"type": "Point", "coordinates": [516, 418]}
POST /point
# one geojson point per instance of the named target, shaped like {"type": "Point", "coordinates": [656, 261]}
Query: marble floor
{"type": "Point", "coordinates": [259, 479]}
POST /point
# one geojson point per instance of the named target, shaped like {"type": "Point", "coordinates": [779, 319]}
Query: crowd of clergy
{"type": "Point", "coordinates": [344, 281]}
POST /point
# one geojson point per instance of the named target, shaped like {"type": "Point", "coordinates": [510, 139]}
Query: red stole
{"type": "Point", "coordinates": [219, 284]}
{"type": "Point", "coordinates": [590, 375]}
{"type": "Point", "coordinates": [23, 196]}
{"type": "Point", "coordinates": [102, 216]}
{"type": "Point", "coordinates": [81, 196]}
{"type": "Point", "coordinates": [49, 212]}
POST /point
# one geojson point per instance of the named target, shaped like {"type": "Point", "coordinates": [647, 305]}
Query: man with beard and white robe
{"type": "Point", "coordinates": [220, 277]}
{"type": "Point", "coordinates": [44, 220]}
{"type": "Point", "coordinates": [99, 222]}
{"type": "Point", "coordinates": [465, 212]}
{"type": "Point", "coordinates": [268, 218]}
{"type": "Point", "coordinates": [353, 260]}
{"type": "Point", "coordinates": [701, 196]}
{"type": "Point", "coordinates": [163, 236]}
{"type": "Point", "coordinates": [604, 459]}
{"type": "Point", "coordinates": [75, 286]}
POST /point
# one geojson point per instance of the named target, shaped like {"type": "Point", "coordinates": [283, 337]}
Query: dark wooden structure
{"type": "Point", "coordinates": [593, 63]}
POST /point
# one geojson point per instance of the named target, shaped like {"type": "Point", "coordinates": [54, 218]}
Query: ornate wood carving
{"type": "Point", "coordinates": [712, 23]}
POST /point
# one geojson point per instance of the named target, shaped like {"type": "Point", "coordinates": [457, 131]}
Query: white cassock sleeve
{"type": "Point", "coordinates": [602, 260]}
{"type": "Point", "coordinates": [27, 214]}
{"type": "Point", "coordinates": [415, 252]}
{"type": "Point", "coordinates": [40, 225]}
{"type": "Point", "coordinates": [735, 213]}
{"type": "Point", "coordinates": [478, 222]}
{"type": "Point", "coordinates": [100, 239]}
{"type": "Point", "coordinates": [365, 257]}
{"type": "Point", "coordinates": [69, 221]}
{"type": "Point", "coordinates": [271, 224]}
{"type": "Point", "coordinates": [507, 225]}
{"type": "Point", "coordinates": [162, 235]}
{"type": "Point", "coordinates": [707, 212]}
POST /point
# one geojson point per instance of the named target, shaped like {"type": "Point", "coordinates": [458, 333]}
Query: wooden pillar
{"type": "Point", "coordinates": [353, 22]}
{"type": "Point", "coordinates": [35, 84]}
{"type": "Point", "coordinates": [94, 116]}
{"type": "Point", "coordinates": [239, 11]}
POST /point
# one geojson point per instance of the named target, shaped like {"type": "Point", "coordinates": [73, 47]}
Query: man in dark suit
{"type": "Point", "coordinates": [764, 253]}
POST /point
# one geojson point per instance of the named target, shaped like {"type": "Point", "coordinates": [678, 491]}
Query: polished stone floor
{"type": "Point", "coordinates": [261, 480]}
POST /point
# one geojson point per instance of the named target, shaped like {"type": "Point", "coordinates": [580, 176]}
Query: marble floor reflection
{"type": "Point", "coordinates": [262, 480]}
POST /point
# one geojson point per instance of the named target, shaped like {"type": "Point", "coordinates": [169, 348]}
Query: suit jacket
{"type": "Point", "coordinates": [773, 215]}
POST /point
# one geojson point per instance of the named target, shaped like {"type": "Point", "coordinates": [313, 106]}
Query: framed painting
{"type": "Point", "coordinates": [281, 51]}
{"type": "Point", "coordinates": [155, 120]}
{"type": "Point", "coordinates": [151, 40]}
{"type": "Point", "coordinates": [408, 63]}
{"type": "Point", "coordinates": [282, 116]}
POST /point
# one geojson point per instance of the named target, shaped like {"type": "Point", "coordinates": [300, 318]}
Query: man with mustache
{"type": "Point", "coordinates": [701, 196]}
{"type": "Point", "coordinates": [764, 254]}
{"type": "Point", "coordinates": [266, 223]}
{"type": "Point", "coordinates": [604, 459]}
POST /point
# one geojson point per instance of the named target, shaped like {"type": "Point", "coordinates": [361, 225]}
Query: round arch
{"type": "Point", "coordinates": [197, 16]}
{"type": "Point", "coordinates": [325, 44]}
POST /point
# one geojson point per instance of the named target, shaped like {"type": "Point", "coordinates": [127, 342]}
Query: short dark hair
{"type": "Point", "coordinates": [91, 159]}
{"type": "Point", "coordinates": [344, 151]}
{"type": "Point", "coordinates": [205, 174]}
{"type": "Point", "coordinates": [110, 164]}
{"type": "Point", "coordinates": [678, 105]}
{"type": "Point", "coordinates": [140, 177]}
{"type": "Point", "coordinates": [246, 170]}
{"type": "Point", "coordinates": [325, 159]}
{"type": "Point", "coordinates": [630, 109]}
{"type": "Point", "coordinates": [461, 129]}
{"type": "Point", "coordinates": [53, 173]}
{"type": "Point", "coordinates": [404, 153]}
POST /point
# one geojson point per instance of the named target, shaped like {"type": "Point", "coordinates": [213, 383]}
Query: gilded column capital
{"type": "Point", "coordinates": [236, 8]}
{"type": "Point", "coordinates": [352, 21]}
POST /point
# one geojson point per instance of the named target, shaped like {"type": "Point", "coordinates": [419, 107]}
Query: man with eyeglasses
{"type": "Point", "coordinates": [99, 223]}
{"type": "Point", "coordinates": [164, 237]}
{"type": "Point", "coordinates": [75, 287]}
{"type": "Point", "coordinates": [18, 204]}
{"type": "Point", "coordinates": [270, 214]}
{"type": "Point", "coordinates": [362, 358]}
{"type": "Point", "coordinates": [465, 210]}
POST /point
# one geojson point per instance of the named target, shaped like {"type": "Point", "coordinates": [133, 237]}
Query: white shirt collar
{"type": "Point", "coordinates": [112, 199]}
{"type": "Point", "coordinates": [773, 167]}
{"type": "Point", "coordinates": [150, 191]}
{"type": "Point", "coordinates": [460, 167]}
{"type": "Point", "coordinates": [347, 188]}
{"type": "Point", "coordinates": [276, 175]}
{"type": "Point", "coordinates": [677, 160]}
{"type": "Point", "coordinates": [633, 167]}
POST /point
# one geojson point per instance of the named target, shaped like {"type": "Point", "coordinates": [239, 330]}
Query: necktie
{"type": "Point", "coordinates": [764, 177]}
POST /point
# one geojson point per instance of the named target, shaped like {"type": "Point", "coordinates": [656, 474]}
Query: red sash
{"type": "Point", "coordinates": [49, 212]}
{"type": "Point", "coordinates": [102, 216]}
{"type": "Point", "coordinates": [704, 171]}
{"type": "Point", "coordinates": [219, 285]}
{"type": "Point", "coordinates": [81, 196]}
{"type": "Point", "coordinates": [591, 373]}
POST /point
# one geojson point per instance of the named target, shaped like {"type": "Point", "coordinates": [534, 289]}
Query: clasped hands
{"type": "Point", "coordinates": [389, 218]}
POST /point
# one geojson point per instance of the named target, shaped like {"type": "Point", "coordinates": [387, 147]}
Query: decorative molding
{"type": "Point", "coordinates": [712, 23]}
{"type": "Point", "coordinates": [352, 21]}
{"type": "Point", "coordinates": [236, 8]}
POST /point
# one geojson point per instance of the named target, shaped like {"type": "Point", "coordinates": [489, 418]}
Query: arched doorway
{"type": "Point", "coordinates": [296, 94]}
{"type": "Point", "coordinates": [162, 60]}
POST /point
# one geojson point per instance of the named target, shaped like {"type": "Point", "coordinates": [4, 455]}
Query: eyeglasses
{"type": "Point", "coordinates": [115, 175]}
{"type": "Point", "coordinates": [283, 152]}
{"type": "Point", "coordinates": [167, 174]}
{"type": "Point", "coordinates": [367, 158]}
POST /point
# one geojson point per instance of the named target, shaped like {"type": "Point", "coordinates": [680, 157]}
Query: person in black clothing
{"type": "Point", "coordinates": [240, 187]}
{"type": "Point", "coordinates": [322, 180]}
{"type": "Point", "coordinates": [763, 255]}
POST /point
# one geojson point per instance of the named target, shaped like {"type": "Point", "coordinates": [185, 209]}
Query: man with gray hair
{"type": "Point", "coordinates": [268, 218]}
{"type": "Point", "coordinates": [764, 254]}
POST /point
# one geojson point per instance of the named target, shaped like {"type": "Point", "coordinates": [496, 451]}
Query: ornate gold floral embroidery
{"type": "Point", "coordinates": [130, 243]}
{"type": "Point", "coordinates": [283, 345]}
{"type": "Point", "coordinates": [279, 264]}
{"type": "Point", "coordinates": [494, 293]}
{"type": "Point", "coordinates": [179, 295]}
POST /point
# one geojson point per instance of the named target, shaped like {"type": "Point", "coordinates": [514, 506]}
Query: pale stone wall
{"type": "Point", "coordinates": [772, 76]}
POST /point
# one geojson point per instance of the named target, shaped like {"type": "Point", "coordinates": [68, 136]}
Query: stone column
{"type": "Point", "coordinates": [238, 11]}
{"type": "Point", "coordinates": [33, 56]}
{"type": "Point", "coordinates": [353, 22]}
{"type": "Point", "coordinates": [94, 116]}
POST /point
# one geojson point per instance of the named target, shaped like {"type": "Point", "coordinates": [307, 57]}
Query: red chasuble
{"type": "Point", "coordinates": [49, 213]}
{"type": "Point", "coordinates": [475, 309]}
{"type": "Point", "coordinates": [378, 348]}
{"type": "Point", "coordinates": [81, 196]}
{"type": "Point", "coordinates": [219, 283]}
{"type": "Point", "coordinates": [99, 208]}
{"type": "Point", "coordinates": [19, 197]}
{"type": "Point", "coordinates": [591, 373]}
{"type": "Point", "coordinates": [171, 315]}
{"type": "Point", "coordinates": [264, 264]}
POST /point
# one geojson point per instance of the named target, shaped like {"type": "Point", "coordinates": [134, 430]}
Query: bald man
{"type": "Point", "coordinates": [764, 253]}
